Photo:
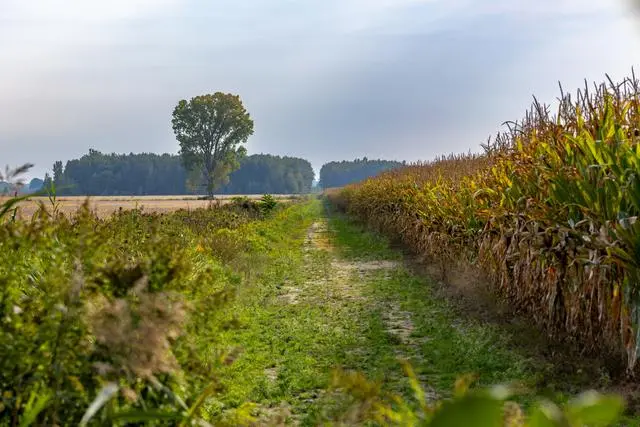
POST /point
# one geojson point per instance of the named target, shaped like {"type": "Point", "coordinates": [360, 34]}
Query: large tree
{"type": "Point", "coordinates": [210, 130]}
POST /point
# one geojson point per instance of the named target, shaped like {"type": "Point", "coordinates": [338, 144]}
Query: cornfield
{"type": "Point", "coordinates": [548, 212]}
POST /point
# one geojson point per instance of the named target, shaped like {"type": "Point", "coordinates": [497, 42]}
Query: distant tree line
{"type": "Point", "coordinates": [113, 174]}
{"type": "Point", "coordinates": [265, 173]}
{"type": "Point", "coordinates": [102, 174]}
{"type": "Point", "coordinates": [338, 174]}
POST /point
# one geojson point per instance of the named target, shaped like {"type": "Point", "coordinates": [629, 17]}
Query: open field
{"type": "Point", "coordinates": [106, 205]}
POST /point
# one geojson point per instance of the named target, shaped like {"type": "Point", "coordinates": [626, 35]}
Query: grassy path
{"type": "Point", "coordinates": [332, 295]}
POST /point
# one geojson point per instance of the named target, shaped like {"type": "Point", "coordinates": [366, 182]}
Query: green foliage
{"type": "Point", "coordinates": [98, 173]}
{"type": "Point", "coordinates": [210, 129]}
{"type": "Point", "coordinates": [265, 173]}
{"type": "Point", "coordinates": [130, 301]}
{"type": "Point", "coordinates": [267, 204]}
{"type": "Point", "coordinates": [481, 407]}
{"type": "Point", "coordinates": [36, 184]}
{"type": "Point", "coordinates": [58, 172]}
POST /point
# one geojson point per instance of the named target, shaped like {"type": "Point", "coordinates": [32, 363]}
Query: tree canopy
{"type": "Point", "coordinates": [122, 174]}
{"type": "Point", "coordinates": [264, 173]}
{"type": "Point", "coordinates": [338, 174]}
{"type": "Point", "coordinates": [210, 130]}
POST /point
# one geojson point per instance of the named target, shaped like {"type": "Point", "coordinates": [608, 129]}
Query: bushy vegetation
{"type": "Point", "coordinates": [549, 212]}
{"type": "Point", "coordinates": [121, 312]}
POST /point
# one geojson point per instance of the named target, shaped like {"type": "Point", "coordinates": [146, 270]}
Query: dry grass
{"type": "Point", "coordinates": [104, 206]}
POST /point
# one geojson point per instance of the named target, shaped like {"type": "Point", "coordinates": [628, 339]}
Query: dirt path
{"type": "Point", "coordinates": [347, 299]}
{"type": "Point", "coordinates": [347, 278]}
{"type": "Point", "coordinates": [341, 284]}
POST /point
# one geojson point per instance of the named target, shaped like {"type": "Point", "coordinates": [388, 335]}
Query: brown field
{"type": "Point", "coordinates": [106, 205]}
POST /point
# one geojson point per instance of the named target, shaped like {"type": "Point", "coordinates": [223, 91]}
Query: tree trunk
{"type": "Point", "coordinates": [208, 174]}
{"type": "Point", "coordinates": [210, 179]}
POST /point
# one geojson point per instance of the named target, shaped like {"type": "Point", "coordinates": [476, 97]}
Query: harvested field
{"type": "Point", "coordinates": [106, 205]}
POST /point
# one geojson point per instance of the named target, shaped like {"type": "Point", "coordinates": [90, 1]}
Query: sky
{"type": "Point", "coordinates": [323, 79]}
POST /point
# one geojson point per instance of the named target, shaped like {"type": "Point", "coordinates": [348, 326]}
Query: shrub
{"type": "Point", "coordinates": [268, 203]}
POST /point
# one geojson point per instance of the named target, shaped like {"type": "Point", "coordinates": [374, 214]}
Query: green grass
{"type": "Point", "coordinates": [445, 346]}
{"type": "Point", "coordinates": [357, 242]}
{"type": "Point", "coordinates": [298, 344]}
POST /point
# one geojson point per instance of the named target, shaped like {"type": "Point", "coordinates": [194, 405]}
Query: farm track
{"type": "Point", "coordinates": [347, 300]}
{"type": "Point", "coordinates": [340, 285]}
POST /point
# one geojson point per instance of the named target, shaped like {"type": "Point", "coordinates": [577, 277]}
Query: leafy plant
{"type": "Point", "coordinates": [210, 129]}
{"type": "Point", "coordinates": [483, 407]}
{"type": "Point", "coordinates": [268, 203]}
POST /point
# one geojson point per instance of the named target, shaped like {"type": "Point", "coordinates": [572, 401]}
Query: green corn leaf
{"type": "Point", "coordinates": [471, 410]}
{"type": "Point", "coordinates": [594, 409]}
{"type": "Point", "coordinates": [546, 414]}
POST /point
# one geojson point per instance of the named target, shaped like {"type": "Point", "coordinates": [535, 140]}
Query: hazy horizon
{"type": "Point", "coordinates": [332, 80]}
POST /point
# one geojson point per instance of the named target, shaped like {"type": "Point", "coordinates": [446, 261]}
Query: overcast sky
{"type": "Point", "coordinates": [323, 79]}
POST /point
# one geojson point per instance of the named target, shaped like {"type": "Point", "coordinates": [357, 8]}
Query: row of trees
{"type": "Point", "coordinates": [338, 174]}
{"type": "Point", "coordinates": [264, 173]}
{"type": "Point", "coordinates": [97, 173]}
{"type": "Point", "coordinates": [113, 174]}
